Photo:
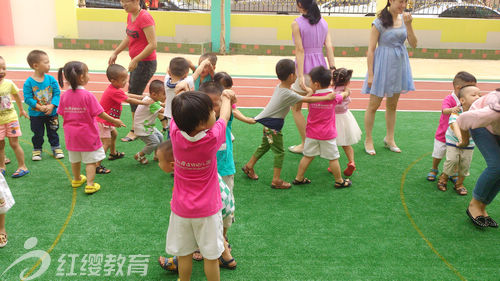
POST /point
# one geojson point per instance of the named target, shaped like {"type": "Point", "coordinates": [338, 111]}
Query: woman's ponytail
{"type": "Point", "coordinates": [313, 14]}
{"type": "Point", "coordinates": [385, 16]}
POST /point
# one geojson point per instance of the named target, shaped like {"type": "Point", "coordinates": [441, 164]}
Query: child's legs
{"type": "Point", "coordinates": [76, 169]}
{"type": "Point", "coordinates": [2, 223]}
{"type": "Point", "coordinates": [2, 154]}
{"type": "Point", "coordinates": [37, 127]}
{"type": "Point", "coordinates": [90, 171]}
{"type": "Point", "coordinates": [52, 125]}
{"type": "Point", "coordinates": [438, 153]}
{"type": "Point", "coordinates": [304, 163]}
{"type": "Point", "coordinates": [185, 267]}
{"type": "Point", "coordinates": [112, 142]}
{"type": "Point", "coordinates": [465, 158]}
{"type": "Point", "coordinates": [279, 154]}
{"type": "Point", "coordinates": [90, 159]}
{"type": "Point", "coordinates": [335, 168]}
{"type": "Point", "coordinates": [261, 150]}
{"type": "Point", "coordinates": [228, 221]}
{"type": "Point", "coordinates": [349, 152]}
{"type": "Point", "coordinates": [452, 159]}
{"type": "Point", "coordinates": [14, 143]}
{"type": "Point", "coordinates": [211, 268]}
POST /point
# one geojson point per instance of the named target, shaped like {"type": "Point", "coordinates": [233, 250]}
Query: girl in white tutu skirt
{"type": "Point", "coordinates": [348, 130]}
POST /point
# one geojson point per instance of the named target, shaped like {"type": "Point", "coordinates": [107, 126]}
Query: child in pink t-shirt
{"type": "Point", "coordinates": [451, 104]}
{"type": "Point", "coordinates": [321, 133]}
{"type": "Point", "coordinates": [79, 109]}
{"type": "Point", "coordinates": [196, 219]}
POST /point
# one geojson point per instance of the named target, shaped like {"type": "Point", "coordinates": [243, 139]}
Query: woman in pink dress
{"type": "Point", "coordinates": [310, 34]}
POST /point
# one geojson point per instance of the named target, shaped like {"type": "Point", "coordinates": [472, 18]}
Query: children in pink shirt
{"type": "Point", "coordinates": [196, 220]}
{"type": "Point", "coordinates": [451, 104]}
{"type": "Point", "coordinates": [79, 108]}
{"type": "Point", "coordinates": [320, 129]}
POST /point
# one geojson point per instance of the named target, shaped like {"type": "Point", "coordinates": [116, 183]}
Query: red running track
{"type": "Point", "coordinates": [256, 92]}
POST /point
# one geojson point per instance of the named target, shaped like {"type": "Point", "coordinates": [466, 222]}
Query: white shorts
{"type": "Point", "coordinates": [324, 148]}
{"type": "Point", "coordinates": [184, 236]}
{"type": "Point", "coordinates": [87, 157]}
{"type": "Point", "coordinates": [439, 149]}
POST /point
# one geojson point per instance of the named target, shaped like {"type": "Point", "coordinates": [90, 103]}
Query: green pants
{"type": "Point", "coordinates": [271, 140]}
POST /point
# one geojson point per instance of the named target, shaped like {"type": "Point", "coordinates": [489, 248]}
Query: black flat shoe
{"type": "Point", "coordinates": [491, 222]}
{"type": "Point", "coordinates": [479, 221]}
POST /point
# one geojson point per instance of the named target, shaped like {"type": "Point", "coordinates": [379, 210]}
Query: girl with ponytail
{"type": "Point", "coordinates": [78, 108]}
{"type": "Point", "coordinates": [389, 72]}
{"type": "Point", "coordinates": [310, 34]}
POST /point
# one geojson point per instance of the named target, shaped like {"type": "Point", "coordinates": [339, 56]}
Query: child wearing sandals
{"type": "Point", "coordinates": [111, 101]}
{"type": "Point", "coordinates": [273, 119]}
{"type": "Point", "coordinates": [348, 131]}
{"type": "Point", "coordinates": [166, 162]}
{"type": "Point", "coordinates": [79, 109]}
{"type": "Point", "coordinates": [9, 122]}
{"type": "Point", "coordinates": [321, 133]}
{"type": "Point", "coordinates": [458, 150]}
{"type": "Point", "coordinates": [451, 104]}
{"type": "Point", "coordinates": [196, 219]}
{"type": "Point", "coordinates": [6, 202]}
{"type": "Point", "coordinates": [144, 120]}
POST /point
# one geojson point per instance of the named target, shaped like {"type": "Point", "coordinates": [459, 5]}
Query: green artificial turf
{"type": "Point", "coordinates": [311, 232]}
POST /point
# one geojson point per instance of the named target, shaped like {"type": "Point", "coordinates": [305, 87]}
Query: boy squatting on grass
{"type": "Point", "coordinates": [459, 147]}
{"type": "Point", "coordinates": [42, 94]}
{"type": "Point", "coordinates": [451, 104]}
{"type": "Point", "coordinates": [9, 123]}
{"type": "Point", "coordinates": [111, 102]}
{"type": "Point", "coordinates": [273, 119]}
{"type": "Point", "coordinates": [166, 162]}
{"type": "Point", "coordinates": [196, 220]}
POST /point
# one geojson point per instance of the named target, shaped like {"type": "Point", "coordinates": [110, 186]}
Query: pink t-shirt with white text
{"type": "Point", "coordinates": [449, 101]}
{"type": "Point", "coordinates": [136, 36]}
{"type": "Point", "coordinates": [321, 118]}
{"type": "Point", "coordinates": [196, 186]}
{"type": "Point", "coordinates": [79, 109]}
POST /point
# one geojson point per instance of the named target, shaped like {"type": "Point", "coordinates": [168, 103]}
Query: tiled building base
{"type": "Point", "coordinates": [274, 50]}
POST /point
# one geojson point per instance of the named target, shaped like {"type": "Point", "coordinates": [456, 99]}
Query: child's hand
{"type": "Point", "coordinates": [230, 95]}
{"type": "Point", "coordinates": [331, 96]}
{"type": "Point", "coordinates": [250, 121]}
{"type": "Point", "coordinates": [118, 123]}
{"type": "Point", "coordinates": [455, 109]}
{"type": "Point", "coordinates": [346, 93]}
{"type": "Point", "coordinates": [48, 109]}
{"type": "Point", "coordinates": [24, 114]}
{"type": "Point", "coordinates": [309, 92]}
{"type": "Point", "coordinates": [181, 87]}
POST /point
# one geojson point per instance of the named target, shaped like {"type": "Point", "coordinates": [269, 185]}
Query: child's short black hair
{"type": "Point", "coordinates": [341, 76]}
{"type": "Point", "coordinates": [114, 70]}
{"type": "Point", "coordinates": [178, 66]}
{"type": "Point", "coordinates": [211, 87]}
{"type": "Point", "coordinates": [210, 56]}
{"type": "Point", "coordinates": [464, 76]}
{"type": "Point", "coordinates": [190, 109]}
{"type": "Point", "coordinates": [35, 57]}
{"type": "Point", "coordinates": [224, 79]}
{"type": "Point", "coordinates": [285, 68]}
{"type": "Point", "coordinates": [156, 86]}
{"type": "Point", "coordinates": [321, 75]}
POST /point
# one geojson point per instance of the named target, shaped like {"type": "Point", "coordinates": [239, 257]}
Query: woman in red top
{"type": "Point", "coordinates": [141, 42]}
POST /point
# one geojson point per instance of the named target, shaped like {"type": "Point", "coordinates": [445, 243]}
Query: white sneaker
{"type": "Point", "coordinates": [36, 155]}
{"type": "Point", "coordinates": [58, 153]}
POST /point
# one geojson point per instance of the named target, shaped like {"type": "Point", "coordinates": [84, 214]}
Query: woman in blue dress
{"type": "Point", "coordinates": [389, 72]}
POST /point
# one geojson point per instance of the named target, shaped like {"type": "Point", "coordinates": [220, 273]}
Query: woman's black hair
{"type": "Point", "coordinates": [385, 16]}
{"type": "Point", "coordinates": [313, 14]}
{"type": "Point", "coordinates": [142, 4]}
{"type": "Point", "coordinates": [341, 76]}
{"type": "Point", "coordinates": [72, 72]}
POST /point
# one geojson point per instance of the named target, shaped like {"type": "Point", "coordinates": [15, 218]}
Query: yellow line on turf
{"type": "Point", "coordinates": [402, 194]}
{"type": "Point", "coordinates": [68, 218]}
